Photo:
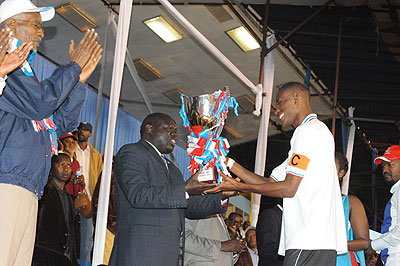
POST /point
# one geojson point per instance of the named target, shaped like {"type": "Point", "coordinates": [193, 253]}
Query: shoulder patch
{"type": "Point", "coordinates": [299, 161]}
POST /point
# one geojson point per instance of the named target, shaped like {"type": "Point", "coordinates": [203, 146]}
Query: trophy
{"type": "Point", "coordinates": [204, 116]}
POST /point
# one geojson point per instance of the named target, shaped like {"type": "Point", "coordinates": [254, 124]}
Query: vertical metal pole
{"type": "Point", "coordinates": [263, 48]}
{"type": "Point", "coordinates": [373, 186]}
{"type": "Point", "coordinates": [337, 73]}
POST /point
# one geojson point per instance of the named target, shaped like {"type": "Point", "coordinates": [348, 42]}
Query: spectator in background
{"type": "Point", "coordinates": [250, 256]}
{"type": "Point", "coordinates": [208, 243]}
{"type": "Point", "coordinates": [32, 114]}
{"type": "Point", "coordinates": [56, 212]}
{"type": "Point", "coordinates": [68, 144]}
{"type": "Point", "coordinates": [234, 224]}
{"type": "Point", "coordinates": [245, 225]}
{"type": "Point", "coordinates": [389, 242]}
{"type": "Point", "coordinates": [371, 260]}
{"type": "Point", "coordinates": [92, 165]}
{"type": "Point", "coordinates": [354, 213]}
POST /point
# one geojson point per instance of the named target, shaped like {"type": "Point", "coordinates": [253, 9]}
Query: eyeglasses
{"type": "Point", "coordinates": [36, 24]}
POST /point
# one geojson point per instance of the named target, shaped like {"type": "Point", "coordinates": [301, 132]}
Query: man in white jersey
{"type": "Point", "coordinates": [313, 225]}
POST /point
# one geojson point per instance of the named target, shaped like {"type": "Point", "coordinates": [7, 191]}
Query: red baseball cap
{"type": "Point", "coordinates": [69, 135]}
{"type": "Point", "coordinates": [391, 154]}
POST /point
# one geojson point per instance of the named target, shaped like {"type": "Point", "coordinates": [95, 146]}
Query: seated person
{"type": "Point", "coordinates": [57, 211]}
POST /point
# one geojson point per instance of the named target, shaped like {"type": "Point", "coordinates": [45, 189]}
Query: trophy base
{"type": "Point", "coordinates": [209, 175]}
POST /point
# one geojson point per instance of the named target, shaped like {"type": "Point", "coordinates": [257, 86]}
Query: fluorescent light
{"type": "Point", "coordinates": [243, 39]}
{"type": "Point", "coordinates": [163, 29]}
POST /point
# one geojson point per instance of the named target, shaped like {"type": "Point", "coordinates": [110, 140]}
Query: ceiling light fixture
{"type": "Point", "coordinates": [77, 17]}
{"type": "Point", "coordinates": [243, 39]}
{"type": "Point", "coordinates": [160, 26]}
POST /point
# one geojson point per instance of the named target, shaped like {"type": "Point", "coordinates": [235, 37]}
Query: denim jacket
{"type": "Point", "coordinates": [25, 154]}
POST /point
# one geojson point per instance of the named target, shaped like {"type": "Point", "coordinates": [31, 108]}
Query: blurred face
{"type": "Point", "coordinates": [27, 27]}
{"type": "Point", "coordinates": [234, 223]}
{"type": "Point", "coordinates": [286, 108]}
{"type": "Point", "coordinates": [251, 239]}
{"type": "Point", "coordinates": [163, 135]}
{"type": "Point", "coordinates": [340, 173]}
{"type": "Point", "coordinates": [371, 260]}
{"type": "Point", "coordinates": [61, 169]}
{"type": "Point", "coordinates": [84, 135]}
{"type": "Point", "coordinates": [391, 171]}
{"type": "Point", "coordinates": [69, 145]}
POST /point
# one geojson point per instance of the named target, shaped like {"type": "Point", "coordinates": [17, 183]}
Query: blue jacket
{"type": "Point", "coordinates": [25, 155]}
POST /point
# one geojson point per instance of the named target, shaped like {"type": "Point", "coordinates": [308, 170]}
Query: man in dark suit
{"type": "Point", "coordinates": [152, 199]}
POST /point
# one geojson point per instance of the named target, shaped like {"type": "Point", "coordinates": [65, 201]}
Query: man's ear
{"type": "Point", "coordinates": [12, 24]}
{"type": "Point", "coordinates": [341, 173]}
{"type": "Point", "coordinates": [295, 97]}
{"type": "Point", "coordinates": [149, 128]}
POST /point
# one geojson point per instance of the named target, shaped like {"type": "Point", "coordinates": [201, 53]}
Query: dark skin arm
{"type": "Point", "coordinates": [257, 184]}
{"type": "Point", "coordinates": [234, 245]}
{"type": "Point", "coordinates": [359, 223]}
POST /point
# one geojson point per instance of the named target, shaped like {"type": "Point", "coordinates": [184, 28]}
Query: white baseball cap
{"type": "Point", "coordinates": [11, 8]}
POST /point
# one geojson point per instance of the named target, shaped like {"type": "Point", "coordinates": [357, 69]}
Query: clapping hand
{"type": "Point", "coordinates": [9, 62]}
{"type": "Point", "coordinates": [87, 54]}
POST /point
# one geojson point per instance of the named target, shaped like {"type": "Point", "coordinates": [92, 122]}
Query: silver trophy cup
{"type": "Point", "coordinates": [199, 111]}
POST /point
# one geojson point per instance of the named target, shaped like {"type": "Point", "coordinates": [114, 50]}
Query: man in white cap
{"type": "Point", "coordinates": [32, 114]}
{"type": "Point", "coordinates": [389, 242]}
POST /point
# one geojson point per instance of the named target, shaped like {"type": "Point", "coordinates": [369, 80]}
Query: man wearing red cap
{"type": "Point", "coordinates": [389, 242]}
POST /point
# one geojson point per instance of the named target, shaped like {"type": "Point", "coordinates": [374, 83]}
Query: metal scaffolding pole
{"type": "Point", "coordinates": [339, 47]}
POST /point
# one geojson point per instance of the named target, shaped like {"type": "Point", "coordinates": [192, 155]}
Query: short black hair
{"type": "Point", "coordinates": [152, 119]}
{"type": "Point", "coordinates": [230, 217]}
{"type": "Point", "coordinates": [292, 84]}
{"type": "Point", "coordinates": [343, 163]}
{"type": "Point", "coordinates": [56, 157]}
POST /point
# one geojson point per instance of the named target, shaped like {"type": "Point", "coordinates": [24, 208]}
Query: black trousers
{"type": "Point", "coordinates": [302, 257]}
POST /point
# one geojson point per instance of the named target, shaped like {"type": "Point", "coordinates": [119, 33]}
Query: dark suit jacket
{"type": "Point", "coordinates": [52, 231]}
{"type": "Point", "coordinates": [151, 207]}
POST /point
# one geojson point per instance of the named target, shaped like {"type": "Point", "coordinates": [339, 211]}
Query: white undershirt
{"type": "Point", "coordinates": [83, 157]}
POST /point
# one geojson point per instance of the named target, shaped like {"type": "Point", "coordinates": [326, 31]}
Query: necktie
{"type": "Point", "coordinates": [165, 161]}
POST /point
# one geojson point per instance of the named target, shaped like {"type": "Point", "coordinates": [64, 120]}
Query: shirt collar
{"type": "Point", "coordinates": [159, 153]}
{"type": "Point", "coordinates": [394, 187]}
{"type": "Point", "coordinates": [308, 118]}
{"type": "Point", "coordinates": [251, 251]}
{"type": "Point", "coordinates": [79, 147]}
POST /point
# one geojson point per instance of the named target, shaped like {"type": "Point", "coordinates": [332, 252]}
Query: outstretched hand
{"type": "Point", "coordinates": [194, 187]}
{"type": "Point", "coordinates": [227, 184]}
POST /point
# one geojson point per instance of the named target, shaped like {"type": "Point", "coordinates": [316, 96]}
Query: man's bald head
{"type": "Point", "coordinates": [293, 102]}
{"type": "Point", "coordinates": [294, 86]}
